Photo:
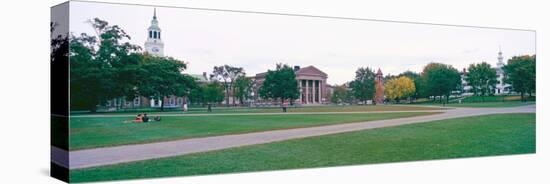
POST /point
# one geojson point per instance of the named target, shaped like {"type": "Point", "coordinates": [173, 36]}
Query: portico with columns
{"type": "Point", "coordinates": [312, 84]}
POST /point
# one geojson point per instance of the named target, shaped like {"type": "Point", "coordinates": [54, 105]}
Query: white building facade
{"type": "Point", "coordinates": [501, 87]}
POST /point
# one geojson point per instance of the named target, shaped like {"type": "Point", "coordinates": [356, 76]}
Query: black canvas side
{"type": "Point", "coordinates": [59, 90]}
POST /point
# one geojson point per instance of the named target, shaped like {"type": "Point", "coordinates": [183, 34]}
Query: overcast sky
{"type": "Point", "coordinates": [256, 42]}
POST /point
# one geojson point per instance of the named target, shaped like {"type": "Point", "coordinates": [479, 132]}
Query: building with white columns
{"type": "Point", "coordinates": [311, 81]}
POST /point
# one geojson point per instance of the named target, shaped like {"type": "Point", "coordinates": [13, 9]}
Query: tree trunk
{"type": "Point", "coordinates": [162, 104]}
{"type": "Point", "coordinates": [227, 96]}
{"type": "Point", "coordinates": [233, 93]}
{"type": "Point", "coordinates": [226, 93]}
{"type": "Point", "coordinates": [93, 108]}
{"type": "Point", "coordinates": [521, 93]}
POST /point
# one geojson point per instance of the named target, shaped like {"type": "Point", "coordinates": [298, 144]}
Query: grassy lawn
{"type": "Point", "coordinates": [487, 101]}
{"type": "Point", "coordinates": [327, 108]}
{"type": "Point", "coordinates": [88, 132]}
{"type": "Point", "coordinates": [455, 138]}
{"type": "Point", "coordinates": [486, 104]}
{"type": "Point", "coordinates": [503, 98]}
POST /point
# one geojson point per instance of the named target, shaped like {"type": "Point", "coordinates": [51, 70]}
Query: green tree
{"type": "Point", "coordinates": [482, 77]}
{"type": "Point", "coordinates": [196, 95]}
{"type": "Point", "coordinates": [242, 88]}
{"type": "Point", "coordinates": [103, 67]}
{"type": "Point", "coordinates": [520, 72]}
{"type": "Point", "coordinates": [227, 74]}
{"type": "Point", "coordinates": [162, 76]}
{"type": "Point", "coordinates": [441, 80]}
{"type": "Point", "coordinates": [213, 92]}
{"type": "Point", "coordinates": [363, 86]}
{"type": "Point", "coordinates": [280, 84]}
{"type": "Point", "coordinates": [340, 94]}
{"type": "Point", "coordinates": [399, 88]}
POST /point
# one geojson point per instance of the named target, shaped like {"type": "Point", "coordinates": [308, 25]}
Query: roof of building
{"type": "Point", "coordinates": [199, 77]}
{"type": "Point", "coordinates": [379, 72]}
{"type": "Point", "coordinates": [310, 70]}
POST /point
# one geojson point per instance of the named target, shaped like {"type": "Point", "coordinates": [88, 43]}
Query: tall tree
{"type": "Point", "coordinates": [482, 77]}
{"type": "Point", "coordinates": [363, 86]}
{"type": "Point", "coordinates": [242, 88]}
{"type": "Point", "coordinates": [162, 76]}
{"type": "Point", "coordinates": [399, 88]}
{"type": "Point", "coordinates": [234, 73]}
{"type": "Point", "coordinates": [520, 72]}
{"type": "Point", "coordinates": [227, 75]}
{"type": "Point", "coordinates": [340, 94]}
{"type": "Point", "coordinates": [280, 84]}
{"type": "Point", "coordinates": [103, 67]}
{"type": "Point", "coordinates": [213, 92]}
{"type": "Point", "coordinates": [418, 83]}
{"type": "Point", "coordinates": [441, 79]}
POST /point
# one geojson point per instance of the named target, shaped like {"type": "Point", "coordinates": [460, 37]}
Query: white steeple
{"type": "Point", "coordinates": [500, 62]}
{"type": "Point", "coordinates": [154, 44]}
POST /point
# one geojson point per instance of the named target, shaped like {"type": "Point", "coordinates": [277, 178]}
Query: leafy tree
{"type": "Point", "coordinates": [242, 88]}
{"type": "Point", "coordinates": [418, 83]}
{"type": "Point", "coordinates": [280, 84]}
{"type": "Point", "coordinates": [398, 88]}
{"type": "Point", "coordinates": [234, 73]}
{"type": "Point", "coordinates": [482, 77]}
{"type": "Point", "coordinates": [441, 79]}
{"type": "Point", "coordinates": [363, 86]}
{"type": "Point", "coordinates": [196, 95]}
{"type": "Point", "coordinates": [227, 74]}
{"type": "Point", "coordinates": [213, 92]}
{"type": "Point", "coordinates": [162, 76]}
{"type": "Point", "coordinates": [340, 94]}
{"type": "Point", "coordinates": [520, 72]}
{"type": "Point", "coordinates": [103, 67]}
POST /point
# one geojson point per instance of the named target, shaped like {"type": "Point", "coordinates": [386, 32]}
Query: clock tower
{"type": "Point", "coordinates": [154, 44]}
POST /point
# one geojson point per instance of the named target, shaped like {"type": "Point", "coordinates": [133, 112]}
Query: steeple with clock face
{"type": "Point", "coordinates": [154, 44]}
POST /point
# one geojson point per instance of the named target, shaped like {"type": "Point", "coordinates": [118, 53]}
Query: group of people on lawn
{"type": "Point", "coordinates": [140, 118]}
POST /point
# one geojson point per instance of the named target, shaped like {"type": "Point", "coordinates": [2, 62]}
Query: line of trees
{"type": "Point", "coordinates": [439, 81]}
{"type": "Point", "coordinates": [107, 66]}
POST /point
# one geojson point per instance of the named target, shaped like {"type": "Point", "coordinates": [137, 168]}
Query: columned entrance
{"type": "Point", "coordinates": [310, 91]}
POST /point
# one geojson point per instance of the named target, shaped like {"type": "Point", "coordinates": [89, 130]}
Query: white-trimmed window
{"type": "Point", "coordinates": [172, 100]}
{"type": "Point", "coordinates": [137, 100]}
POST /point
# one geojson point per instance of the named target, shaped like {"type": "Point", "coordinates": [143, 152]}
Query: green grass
{"type": "Point", "coordinates": [327, 108]}
{"type": "Point", "coordinates": [485, 104]}
{"type": "Point", "coordinates": [500, 98]}
{"type": "Point", "coordinates": [454, 138]}
{"type": "Point", "coordinates": [481, 102]}
{"type": "Point", "coordinates": [91, 132]}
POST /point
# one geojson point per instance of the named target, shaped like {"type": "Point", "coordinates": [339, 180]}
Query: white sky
{"type": "Point", "coordinates": [256, 42]}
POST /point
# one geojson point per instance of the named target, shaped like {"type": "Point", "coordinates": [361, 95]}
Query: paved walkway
{"type": "Point", "coordinates": [128, 153]}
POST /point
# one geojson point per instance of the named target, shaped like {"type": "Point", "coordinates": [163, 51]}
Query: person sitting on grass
{"type": "Point", "coordinates": [157, 118]}
{"type": "Point", "coordinates": [145, 118]}
{"type": "Point", "coordinates": [139, 118]}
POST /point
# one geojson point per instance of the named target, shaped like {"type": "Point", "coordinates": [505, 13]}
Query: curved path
{"type": "Point", "coordinates": [128, 153]}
